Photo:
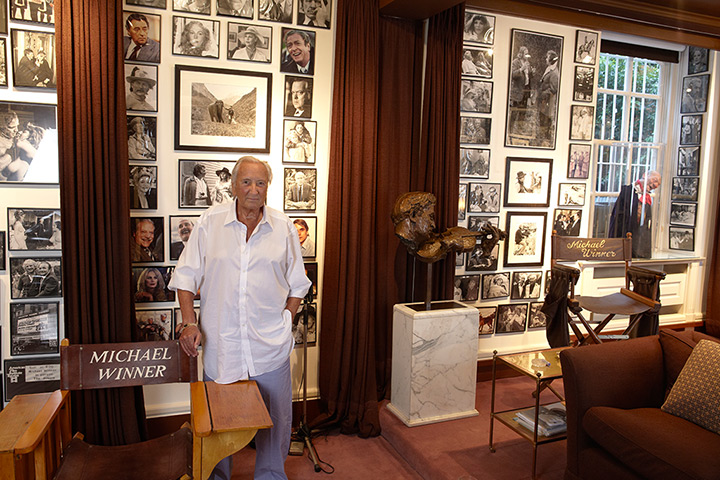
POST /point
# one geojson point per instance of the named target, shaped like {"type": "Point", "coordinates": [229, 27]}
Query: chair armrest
{"type": "Point", "coordinates": [647, 271]}
{"type": "Point", "coordinates": [199, 410]}
{"type": "Point", "coordinates": [567, 269]}
{"type": "Point", "coordinates": [43, 421]}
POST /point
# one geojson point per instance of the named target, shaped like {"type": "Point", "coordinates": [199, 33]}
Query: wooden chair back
{"type": "Point", "coordinates": [573, 249]}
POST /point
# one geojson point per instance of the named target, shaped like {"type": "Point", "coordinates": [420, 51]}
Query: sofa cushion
{"type": "Point", "coordinates": [677, 347]}
{"type": "Point", "coordinates": [654, 443]}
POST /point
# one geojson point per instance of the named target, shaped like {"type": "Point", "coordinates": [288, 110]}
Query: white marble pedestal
{"type": "Point", "coordinates": [434, 363]}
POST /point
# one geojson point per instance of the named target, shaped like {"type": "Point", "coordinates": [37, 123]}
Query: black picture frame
{"type": "Point", "coordinates": [34, 229]}
{"type": "Point", "coordinates": [319, 18]}
{"type": "Point", "coordinates": [141, 85]}
{"type": "Point", "coordinates": [299, 323]}
{"type": "Point", "coordinates": [495, 285]}
{"type": "Point", "coordinates": [477, 62]}
{"type": "Point", "coordinates": [3, 27]}
{"type": "Point", "coordinates": [3, 251]}
{"type": "Point", "coordinates": [245, 10]}
{"type": "Point", "coordinates": [694, 94]}
{"type": "Point", "coordinates": [466, 288]}
{"type": "Point", "coordinates": [311, 271]}
{"type": "Point", "coordinates": [685, 188]}
{"type": "Point", "coordinates": [198, 8]}
{"type": "Point", "coordinates": [586, 44]}
{"type": "Point", "coordinates": [484, 197]}
{"type": "Point", "coordinates": [292, 40]}
{"type": "Point", "coordinates": [34, 328]}
{"type": "Point", "coordinates": [526, 285]}
{"type": "Point", "coordinates": [142, 137]}
{"type": "Point", "coordinates": [579, 156]}
{"type": "Point", "coordinates": [528, 182]}
{"type": "Point", "coordinates": [308, 246]}
{"type": "Point", "coordinates": [143, 292]}
{"type": "Point", "coordinates": [691, 129]}
{"type": "Point", "coordinates": [476, 96]}
{"type": "Point", "coordinates": [474, 162]}
{"type": "Point", "coordinates": [40, 282]}
{"type": "Point", "coordinates": [511, 318]}
{"type": "Point", "coordinates": [688, 163]}
{"type": "Point", "coordinates": [143, 187]}
{"type": "Point", "coordinates": [475, 130]}
{"type": "Point", "coordinates": [462, 201]}
{"type": "Point", "coordinates": [683, 214]}
{"type": "Point", "coordinates": [536, 318]}
{"type": "Point", "coordinates": [477, 261]}
{"type": "Point", "coordinates": [459, 259]}
{"type": "Point", "coordinates": [567, 222]}
{"type": "Point", "coordinates": [698, 60]}
{"type": "Point", "coordinates": [251, 96]}
{"type": "Point", "coordinates": [147, 239]}
{"type": "Point", "coordinates": [299, 193]}
{"type": "Point", "coordinates": [479, 28]}
{"type": "Point", "coordinates": [218, 190]}
{"type": "Point", "coordinates": [277, 11]}
{"type": "Point", "coordinates": [486, 325]}
{"type": "Point", "coordinates": [681, 238]}
{"type": "Point", "coordinates": [582, 122]}
{"type": "Point", "coordinates": [26, 73]}
{"type": "Point", "coordinates": [148, 3]}
{"type": "Point", "coordinates": [42, 13]}
{"type": "Point", "coordinates": [299, 141]}
{"type": "Point", "coordinates": [236, 45]}
{"type": "Point", "coordinates": [3, 63]}
{"type": "Point", "coordinates": [571, 194]}
{"type": "Point", "coordinates": [525, 245]}
{"type": "Point", "coordinates": [150, 33]}
{"type": "Point", "coordinates": [477, 222]}
{"type": "Point", "coordinates": [154, 325]}
{"type": "Point", "coordinates": [298, 96]}
{"type": "Point", "coordinates": [45, 374]}
{"type": "Point", "coordinates": [185, 28]}
{"type": "Point", "coordinates": [584, 84]}
{"type": "Point", "coordinates": [180, 226]}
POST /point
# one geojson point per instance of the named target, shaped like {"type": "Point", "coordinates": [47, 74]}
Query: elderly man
{"type": "Point", "coordinates": [140, 85]}
{"type": "Point", "coordinates": [315, 13]}
{"type": "Point", "coordinates": [299, 102]}
{"type": "Point", "coordinates": [137, 44]}
{"type": "Point", "coordinates": [244, 257]}
{"type": "Point", "coordinates": [298, 54]}
{"type": "Point", "coordinates": [633, 213]}
{"type": "Point", "coordinates": [252, 40]}
{"type": "Point", "coordinates": [143, 247]}
{"type": "Point", "coordinates": [184, 229]}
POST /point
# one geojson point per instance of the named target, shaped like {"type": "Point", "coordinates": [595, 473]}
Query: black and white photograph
{"type": "Point", "coordinates": [311, 271]}
{"type": "Point", "coordinates": [298, 51]}
{"type": "Point", "coordinates": [314, 13]}
{"type": "Point", "coordinates": [142, 137]}
{"type": "Point", "coordinates": [35, 11]}
{"type": "Point", "coordinates": [477, 222]}
{"type": "Point", "coordinates": [525, 245]}
{"type": "Point", "coordinates": [181, 226]}
{"type": "Point", "coordinates": [275, 10]}
{"type": "Point", "coordinates": [479, 28]}
{"type": "Point", "coordinates": [35, 277]}
{"type": "Point", "coordinates": [301, 325]}
{"type": "Point", "coordinates": [192, 6]}
{"type": "Point", "coordinates": [511, 318]}
{"type": "Point", "coordinates": [484, 197]}
{"type": "Point", "coordinates": [467, 288]}
{"type": "Point", "coordinates": [28, 143]}
{"type": "Point", "coordinates": [222, 110]}
{"type": "Point", "coordinates": [579, 156]}
{"type": "Point", "coordinates": [299, 141]}
{"type": "Point", "coordinates": [459, 259]}
{"type": "Point", "coordinates": [3, 64]}
{"type": "Point", "coordinates": [694, 94]}
{"type": "Point", "coordinates": [33, 328]}
{"type": "Point", "coordinates": [548, 277]}
{"type": "Point", "coordinates": [147, 239]}
{"type": "Point", "coordinates": [150, 284]}
{"type": "Point", "coordinates": [3, 254]}
{"type": "Point", "coordinates": [475, 130]}
{"type": "Point", "coordinates": [476, 96]}
{"type": "Point", "coordinates": [682, 238]}
{"type": "Point", "coordinates": [481, 260]}
{"type": "Point", "coordinates": [688, 161]}
{"type": "Point", "coordinates": [236, 8]}
{"type": "Point", "coordinates": [683, 214]}
{"type": "Point", "coordinates": [148, 3]}
{"type": "Point", "coordinates": [462, 201]}
{"type": "Point", "coordinates": [141, 42]}
{"type": "Point", "coordinates": [300, 189]}
{"type": "Point", "coordinates": [566, 222]}
{"type": "Point", "coordinates": [526, 285]}
{"type": "Point", "coordinates": [203, 183]}
{"type": "Point", "coordinates": [685, 188]}
{"type": "Point", "coordinates": [697, 60]}
{"type": "Point", "coordinates": [196, 38]}
{"type": "Point", "coordinates": [571, 194]}
{"type": "Point", "coordinates": [31, 375]}
{"type": "Point", "coordinates": [586, 44]}
{"type": "Point", "coordinates": [177, 320]}
{"type": "Point", "coordinates": [486, 326]}
{"type": "Point", "coordinates": [154, 325]}
{"type": "Point", "coordinates": [143, 187]}
{"type": "Point", "coordinates": [691, 130]}
{"type": "Point", "coordinates": [534, 81]}
{"type": "Point", "coordinates": [34, 229]}
{"type": "Point", "coordinates": [584, 84]}
{"type": "Point", "coordinates": [141, 87]}
{"type": "Point", "coordinates": [582, 122]}
{"type": "Point", "coordinates": [527, 182]}
{"type": "Point", "coordinates": [33, 59]}
{"type": "Point", "coordinates": [307, 234]}
{"type": "Point", "coordinates": [536, 318]}
{"type": "Point", "coordinates": [475, 162]}
{"type": "Point", "coordinates": [477, 62]}
{"type": "Point", "coordinates": [298, 96]}
{"type": "Point", "coordinates": [252, 43]}
{"type": "Point", "coordinates": [495, 285]}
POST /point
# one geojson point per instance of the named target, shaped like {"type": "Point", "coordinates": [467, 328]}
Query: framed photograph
{"type": "Point", "coordinates": [484, 197]}
{"type": "Point", "coordinates": [526, 285]}
{"type": "Point", "coordinates": [222, 110]}
{"type": "Point", "coordinates": [566, 222]}
{"type": "Point", "coordinates": [548, 277]}
{"type": "Point", "coordinates": [275, 10]}
{"type": "Point", "coordinates": [34, 328]}
{"type": "Point", "coordinates": [586, 44]}
{"type": "Point", "coordinates": [235, 8]}
{"type": "Point", "coordinates": [314, 13]}
{"type": "Point", "coordinates": [142, 137]}
{"type": "Point", "coordinates": [495, 285]}
{"type": "Point", "coordinates": [33, 59]}
{"type": "Point", "coordinates": [3, 255]}
{"type": "Point", "coordinates": [177, 320]}
{"type": "Point", "coordinates": [583, 87]}
{"type": "Point", "coordinates": [571, 194]}
{"type": "Point", "coordinates": [479, 28]}
{"type": "Point", "coordinates": [298, 96]}
{"type": "Point", "coordinates": [682, 238]}
{"type": "Point", "coordinates": [477, 62]}
{"type": "Point", "coordinates": [31, 375]}
{"type": "Point", "coordinates": [475, 130]}
{"type": "Point", "coordinates": [4, 31]}
{"type": "Point", "coordinates": [298, 51]}
{"type": "Point", "coordinates": [479, 260]}
{"type": "Point", "coordinates": [688, 161]}
{"type": "Point", "coordinates": [35, 160]}
{"type": "Point", "coordinates": [300, 189]}
{"type": "Point", "coordinates": [697, 60]}
{"type": "Point", "coordinates": [525, 245]}
{"type": "Point", "coordinates": [193, 6]}
{"type": "Point", "coordinates": [683, 214]}
{"type": "Point", "coordinates": [476, 96]}
{"type": "Point", "coordinates": [528, 182]}
{"type": "Point", "coordinates": [147, 239]}
{"type": "Point", "coordinates": [299, 141]}
{"type": "Point", "coordinates": [685, 188]}
{"type": "Point", "coordinates": [486, 326]}
{"type": "Point", "coordinates": [311, 270]}
{"type": "Point", "coordinates": [691, 130]}
{"type": "Point", "coordinates": [534, 82]}
{"type": "Point", "coordinates": [150, 284]}
{"type": "Point", "coordinates": [476, 222]}
{"type": "Point", "coordinates": [140, 91]}
{"type": "Point", "coordinates": [579, 156]}
{"type": "Point", "coordinates": [154, 325]}
{"type": "Point", "coordinates": [181, 226]}
{"type": "Point", "coordinates": [694, 94]}
{"type": "Point", "coordinates": [467, 288]}
{"type": "Point", "coordinates": [30, 11]}
{"type": "Point", "coordinates": [301, 326]}
{"type": "Point", "coordinates": [203, 183]}
{"type": "Point", "coordinates": [35, 277]}
{"type": "Point", "coordinates": [462, 201]}
{"type": "Point", "coordinates": [34, 229]}
{"type": "Point", "coordinates": [252, 43]}
{"type": "Point", "coordinates": [194, 37]}
{"type": "Point", "coordinates": [141, 42]}
{"type": "Point", "coordinates": [475, 162]}
{"type": "Point", "coordinates": [459, 259]}
{"type": "Point", "coordinates": [3, 63]}
{"type": "Point", "coordinates": [148, 3]}
{"type": "Point", "coordinates": [536, 318]}
{"type": "Point", "coordinates": [512, 318]}
{"type": "Point", "coordinates": [143, 187]}
{"type": "Point", "coordinates": [582, 122]}
{"type": "Point", "coordinates": [307, 234]}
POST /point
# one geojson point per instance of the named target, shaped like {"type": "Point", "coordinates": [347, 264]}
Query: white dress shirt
{"type": "Point", "coordinates": [244, 286]}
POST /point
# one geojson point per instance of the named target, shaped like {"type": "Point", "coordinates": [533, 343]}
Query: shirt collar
{"type": "Point", "coordinates": [231, 215]}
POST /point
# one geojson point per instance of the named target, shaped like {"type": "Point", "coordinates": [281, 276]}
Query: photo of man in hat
{"type": "Point", "coordinates": [138, 85]}
{"type": "Point", "coordinates": [137, 43]}
{"type": "Point", "coordinates": [251, 42]}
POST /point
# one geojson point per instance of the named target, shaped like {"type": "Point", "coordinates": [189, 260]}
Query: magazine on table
{"type": "Point", "coordinates": [551, 419]}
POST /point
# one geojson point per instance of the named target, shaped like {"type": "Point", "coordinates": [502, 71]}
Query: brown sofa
{"type": "Point", "coordinates": [616, 429]}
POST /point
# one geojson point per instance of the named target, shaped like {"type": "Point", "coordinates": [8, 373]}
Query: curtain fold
{"type": "Point", "coordinates": [94, 198]}
{"type": "Point", "coordinates": [712, 316]}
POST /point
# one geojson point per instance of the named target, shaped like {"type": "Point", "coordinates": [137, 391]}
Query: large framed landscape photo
{"type": "Point", "coordinates": [222, 110]}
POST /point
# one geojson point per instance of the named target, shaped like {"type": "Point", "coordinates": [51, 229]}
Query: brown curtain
{"type": "Point", "coordinates": [712, 317]}
{"type": "Point", "coordinates": [94, 198]}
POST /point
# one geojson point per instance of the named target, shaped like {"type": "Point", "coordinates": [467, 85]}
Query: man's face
{"type": "Point", "coordinates": [299, 94]}
{"type": "Point", "coordinates": [140, 89]}
{"type": "Point", "coordinates": [138, 31]}
{"type": "Point", "coordinates": [43, 268]}
{"type": "Point", "coordinates": [311, 8]}
{"type": "Point", "coordinates": [201, 172]}
{"type": "Point", "coordinates": [11, 129]}
{"type": "Point", "coordinates": [144, 234]}
{"type": "Point", "coordinates": [653, 182]}
{"type": "Point", "coordinates": [30, 55]}
{"type": "Point", "coordinates": [185, 228]}
{"type": "Point", "coordinates": [29, 267]}
{"type": "Point", "coordinates": [302, 232]}
{"type": "Point", "coordinates": [251, 186]}
{"type": "Point", "coordinates": [297, 48]}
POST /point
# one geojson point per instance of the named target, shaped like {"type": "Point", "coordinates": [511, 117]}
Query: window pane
{"type": "Point", "coordinates": [609, 116]}
{"type": "Point", "coordinates": [603, 209]}
{"type": "Point", "coordinates": [612, 168]}
{"type": "Point", "coordinates": [646, 77]}
{"type": "Point", "coordinates": [611, 75]}
{"type": "Point", "coordinates": [644, 159]}
{"type": "Point", "coordinates": [642, 121]}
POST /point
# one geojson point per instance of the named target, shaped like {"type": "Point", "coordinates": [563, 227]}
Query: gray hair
{"type": "Point", "coordinates": [249, 159]}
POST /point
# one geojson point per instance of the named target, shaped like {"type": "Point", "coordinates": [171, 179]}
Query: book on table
{"type": "Point", "coordinates": [551, 419]}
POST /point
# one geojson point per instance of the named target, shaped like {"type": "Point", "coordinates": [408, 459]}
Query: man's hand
{"type": "Point", "coordinates": [190, 339]}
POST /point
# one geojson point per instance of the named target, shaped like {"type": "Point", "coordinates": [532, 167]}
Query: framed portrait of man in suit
{"type": "Point", "coordinates": [300, 189]}
{"type": "Point", "coordinates": [298, 51]}
{"type": "Point", "coordinates": [298, 96]}
{"type": "Point", "coordinates": [314, 13]}
{"type": "Point", "coordinates": [141, 39]}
